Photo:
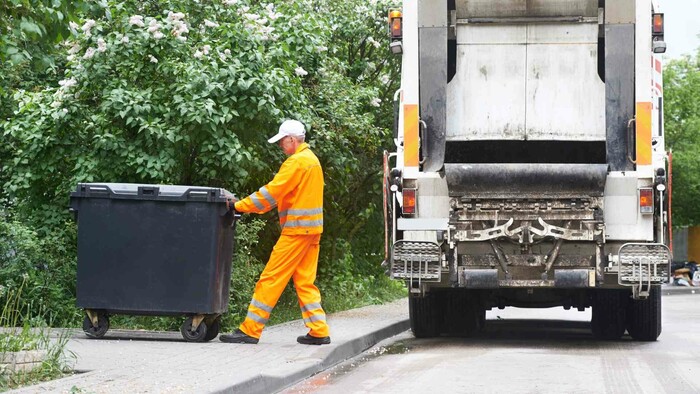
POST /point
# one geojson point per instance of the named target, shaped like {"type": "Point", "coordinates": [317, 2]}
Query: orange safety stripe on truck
{"type": "Point", "coordinates": [643, 133]}
{"type": "Point", "coordinates": [410, 135]}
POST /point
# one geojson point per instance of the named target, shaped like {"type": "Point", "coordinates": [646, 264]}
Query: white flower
{"type": "Point", "coordinates": [198, 54]}
{"type": "Point", "coordinates": [152, 59]}
{"type": "Point", "coordinates": [175, 16]}
{"type": "Point", "coordinates": [182, 38]}
{"type": "Point", "coordinates": [227, 52]}
{"type": "Point", "coordinates": [300, 71]}
{"type": "Point", "coordinates": [209, 23]}
{"type": "Point", "coordinates": [376, 102]}
{"type": "Point", "coordinates": [101, 45]}
{"type": "Point", "coordinates": [230, 2]}
{"type": "Point", "coordinates": [179, 28]}
{"type": "Point", "coordinates": [384, 79]}
{"type": "Point", "coordinates": [70, 58]}
{"type": "Point", "coordinates": [73, 25]}
{"type": "Point", "coordinates": [125, 39]}
{"type": "Point", "coordinates": [206, 49]}
{"type": "Point", "coordinates": [56, 104]}
{"type": "Point", "coordinates": [74, 49]}
{"type": "Point", "coordinates": [222, 56]}
{"type": "Point", "coordinates": [158, 35]}
{"type": "Point", "coordinates": [66, 83]}
{"type": "Point", "coordinates": [89, 53]}
{"type": "Point", "coordinates": [373, 42]}
{"type": "Point", "coordinates": [65, 110]}
{"type": "Point", "coordinates": [273, 15]}
{"type": "Point", "coordinates": [262, 21]}
{"type": "Point", "coordinates": [87, 26]}
{"type": "Point", "coordinates": [136, 20]}
{"type": "Point", "coordinates": [153, 26]}
{"type": "Point", "coordinates": [252, 17]}
{"type": "Point", "coordinates": [321, 48]}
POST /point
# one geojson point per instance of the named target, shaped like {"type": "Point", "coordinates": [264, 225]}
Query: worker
{"type": "Point", "coordinates": [297, 192]}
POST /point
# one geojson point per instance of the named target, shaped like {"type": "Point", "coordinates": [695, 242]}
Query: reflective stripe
{"type": "Point", "coordinates": [257, 202]}
{"type": "Point", "coordinates": [310, 307]}
{"type": "Point", "coordinates": [311, 319]}
{"type": "Point", "coordinates": [282, 214]}
{"type": "Point", "coordinates": [260, 305]}
{"type": "Point", "coordinates": [308, 212]}
{"type": "Point", "coordinates": [303, 223]}
{"type": "Point", "coordinates": [268, 196]}
{"type": "Point", "coordinates": [252, 316]}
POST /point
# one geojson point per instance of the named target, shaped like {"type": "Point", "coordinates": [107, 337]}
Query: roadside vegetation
{"type": "Point", "coordinates": [183, 92]}
{"type": "Point", "coordinates": [23, 339]}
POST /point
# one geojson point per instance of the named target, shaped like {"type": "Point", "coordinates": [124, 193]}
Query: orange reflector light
{"type": "Point", "coordinates": [409, 201]}
{"type": "Point", "coordinates": [395, 24]}
{"type": "Point", "coordinates": [646, 200]}
{"type": "Point", "coordinates": [657, 27]}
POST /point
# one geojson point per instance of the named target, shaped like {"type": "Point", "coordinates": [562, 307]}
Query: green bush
{"type": "Point", "coordinates": [182, 92]}
{"type": "Point", "coordinates": [44, 267]}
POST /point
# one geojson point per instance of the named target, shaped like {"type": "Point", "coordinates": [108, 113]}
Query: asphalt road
{"type": "Point", "coordinates": [529, 351]}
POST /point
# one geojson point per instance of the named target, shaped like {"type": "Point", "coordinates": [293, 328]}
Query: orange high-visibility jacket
{"type": "Point", "coordinates": [296, 191]}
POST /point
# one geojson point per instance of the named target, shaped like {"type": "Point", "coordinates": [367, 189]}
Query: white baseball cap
{"type": "Point", "coordinates": [288, 127]}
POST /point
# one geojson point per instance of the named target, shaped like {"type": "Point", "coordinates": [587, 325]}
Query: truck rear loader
{"type": "Point", "coordinates": [528, 166]}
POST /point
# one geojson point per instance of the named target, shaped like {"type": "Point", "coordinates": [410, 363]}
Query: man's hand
{"type": "Point", "coordinates": [230, 205]}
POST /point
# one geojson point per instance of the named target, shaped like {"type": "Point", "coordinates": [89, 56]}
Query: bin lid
{"type": "Point", "coordinates": [151, 192]}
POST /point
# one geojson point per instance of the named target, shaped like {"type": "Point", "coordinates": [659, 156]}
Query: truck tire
{"type": "Point", "coordinates": [463, 313]}
{"type": "Point", "coordinates": [644, 317]}
{"type": "Point", "coordinates": [423, 315]}
{"type": "Point", "coordinates": [608, 319]}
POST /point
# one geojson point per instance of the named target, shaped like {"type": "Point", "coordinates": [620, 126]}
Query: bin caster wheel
{"type": "Point", "coordinates": [96, 332]}
{"type": "Point", "coordinates": [193, 336]}
{"type": "Point", "coordinates": [213, 329]}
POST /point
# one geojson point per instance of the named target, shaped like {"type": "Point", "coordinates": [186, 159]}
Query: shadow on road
{"type": "Point", "coordinates": [528, 333]}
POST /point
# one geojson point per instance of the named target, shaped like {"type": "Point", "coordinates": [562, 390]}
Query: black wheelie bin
{"type": "Point", "coordinates": [155, 250]}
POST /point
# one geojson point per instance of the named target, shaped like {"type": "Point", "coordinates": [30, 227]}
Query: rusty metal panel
{"type": "Point", "coordinates": [478, 278]}
{"type": "Point", "coordinates": [433, 96]}
{"type": "Point", "coordinates": [486, 97]}
{"type": "Point", "coordinates": [524, 180]}
{"type": "Point", "coordinates": [619, 93]}
{"type": "Point", "coordinates": [565, 96]}
{"type": "Point", "coordinates": [517, 8]}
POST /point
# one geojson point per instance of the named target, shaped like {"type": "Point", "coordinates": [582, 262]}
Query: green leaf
{"type": "Point", "coordinates": [30, 27]}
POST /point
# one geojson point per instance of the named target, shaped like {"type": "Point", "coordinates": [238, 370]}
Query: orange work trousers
{"type": "Point", "coordinates": [296, 257]}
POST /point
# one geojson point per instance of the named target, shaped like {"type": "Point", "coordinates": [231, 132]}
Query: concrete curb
{"type": "Point", "coordinates": [273, 383]}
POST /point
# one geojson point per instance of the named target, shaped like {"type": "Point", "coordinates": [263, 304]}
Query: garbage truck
{"type": "Point", "coordinates": [528, 166]}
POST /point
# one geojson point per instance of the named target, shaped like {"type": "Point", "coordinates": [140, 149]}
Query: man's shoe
{"type": "Point", "coordinates": [309, 340]}
{"type": "Point", "coordinates": [238, 336]}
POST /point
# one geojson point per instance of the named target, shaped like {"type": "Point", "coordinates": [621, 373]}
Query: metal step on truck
{"type": "Point", "coordinates": [529, 167]}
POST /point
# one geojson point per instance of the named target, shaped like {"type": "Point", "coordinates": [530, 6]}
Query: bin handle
{"type": "Point", "coordinates": [201, 194]}
{"type": "Point", "coordinates": [148, 191]}
{"type": "Point", "coordinates": [93, 189]}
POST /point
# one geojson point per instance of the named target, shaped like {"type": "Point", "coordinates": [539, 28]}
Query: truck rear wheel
{"type": "Point", "coordinates": [609, 314]}
{"type": "Point", "coordinates": [423, 315]}
{"type": "Point", "coordinates": [644, 317]}
{"type": "Point", "coordinates": [464, 314]}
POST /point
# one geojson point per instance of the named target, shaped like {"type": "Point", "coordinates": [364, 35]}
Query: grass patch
{"type": "Point", "coordinates": [19, 334]}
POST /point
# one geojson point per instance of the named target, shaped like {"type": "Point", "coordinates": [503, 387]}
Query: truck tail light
{"type": "Point", "coordinates": [646, 200]}
{"type": "Point", "coordinates": [409, 201]}
{"type": "Point", "coordinates": [395, 24]}
{"type": "Point", "coordinates": [657, 26]}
